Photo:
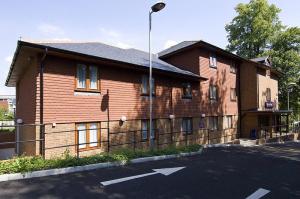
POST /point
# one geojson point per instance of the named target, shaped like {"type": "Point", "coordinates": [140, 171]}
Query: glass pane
{"type": "Point", "coordinates": [93, 77]}
{"type": "Point", "coordinates": [93, 135]}
{"type": "Point", "coordinates": [81, 136]}
{"type": "Point", "coordinates": [153, 86]}
{"type": "Point", "coordinates": [81, 75]}
{"type": "Point", "coordinates": [144, 130]}
{"type": "Point", "coordinates": [144, 84]}
{"type": "Point", "coordinates": [152, 134]}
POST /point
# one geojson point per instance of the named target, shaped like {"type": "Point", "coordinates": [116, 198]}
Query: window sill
{"type": "Point", "coordinates": [233, 100]}
{"type": "Point", "coordinates": [87, 91]}
{"type": "Point", "coordinates": [186, 97]}
{"type": "Point", "coordinates": [211, 66]}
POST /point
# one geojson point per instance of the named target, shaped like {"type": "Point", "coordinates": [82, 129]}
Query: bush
{"type": "Point", "coordinates": [24, 164]}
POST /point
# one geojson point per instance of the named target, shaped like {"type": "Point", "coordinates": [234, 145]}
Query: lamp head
{"type": "Point", "coordinates": [158, 6]}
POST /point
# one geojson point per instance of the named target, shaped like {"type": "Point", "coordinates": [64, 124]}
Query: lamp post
{"type": "Point", "coordinates": [155, 8]}
{"type": "Point", "coordinates": [289, 89]}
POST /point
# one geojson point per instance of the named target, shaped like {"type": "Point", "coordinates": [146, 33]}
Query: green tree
{"type": "Point", "coordinates": [251, 31]}
{"type": "Point", "coordinates": [285, 57]}
{"type": "Point", "coordinates": [257, 31]}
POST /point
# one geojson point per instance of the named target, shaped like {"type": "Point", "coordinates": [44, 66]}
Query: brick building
{"type": "Point", "coordinates": [80, 92]}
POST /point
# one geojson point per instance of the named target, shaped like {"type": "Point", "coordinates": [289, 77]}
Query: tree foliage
{"type": "Point", "coordinates": [257, 31]}
{"type": "Point", "coordinates": [251, 31]}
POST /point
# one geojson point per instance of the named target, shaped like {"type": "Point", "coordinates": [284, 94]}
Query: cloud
{"type": "Point", "coordinates": [110, 33]}
{"type": "Point", "coordinates": [8, 59]}
{"type": "Point", "coordinates": [49, 29]}
{"type": "Point", "coordinates": [170, 43]}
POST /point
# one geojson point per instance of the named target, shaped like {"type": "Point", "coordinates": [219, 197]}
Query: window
{"type": "Point", "coordinates": [233, 94]}
{"type": "Point", "coordinates": [145, 85]}
{"type": "Point", "coordinates": [87, 78]}
{"type": "Point", "coordinates": [228, 122]}
{"type": "Point", "coordinates": [268, 94]}
{"type": "Point", "coordinates": [213, 123]}
{"type": "Point", "coordinates": [213, 94]}
{"type": "Point", "coordinates": [187, 90]}
{"type": "Point", "coordinates": [212, 60]}
{"type": "Point", "coordinates": [233, 68]}
{"type": "Point", "coordinates": [93, 77]}
{"type": "Point", "coordinates": [88, 135]}
{"type": "Point", "coordinates": [81, 76]}
{"type": "Point", "coordinates": [187, 125]}
{"type": "Point", "coordinates": [146, 128]}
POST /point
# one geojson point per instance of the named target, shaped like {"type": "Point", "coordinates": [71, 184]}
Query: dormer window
{"type": "Point", "coordinates": [213, 60]}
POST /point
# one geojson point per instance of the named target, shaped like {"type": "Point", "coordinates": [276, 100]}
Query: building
{"type": "Point", "coordinates": [260, 114]}
{"type": "Point", "coordinates": [8, 102]}
{"type": "Point", "coordinates": [91, 97]}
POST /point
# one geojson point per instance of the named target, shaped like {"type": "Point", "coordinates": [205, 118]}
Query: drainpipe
{"type": "Point", "coordinates": [42, 127]}
{"type": "Point", "coordinates": [239, 101]}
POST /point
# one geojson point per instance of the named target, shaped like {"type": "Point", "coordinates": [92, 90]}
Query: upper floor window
{"type": "Point", "coordinates": [268, 94]}
{"type": "Point", "coordinates": [145, 128]}
{"type": "Point", "coordinates": [187, 125]}
{"type": "Point", "coordinates": [233, 94]}
{"type": "Point", "coordinates": [145, 85]}
{"type": "Point", "coordinates": [87, 78]}
{"type": "Point", "coordinates": [187, 90]}
{"type": "Point", "coordinates": [213, 92]}
{"type": "Point", "coordinates": [233, 67]}
{"type": "Point", "coordinates": [213, 60]}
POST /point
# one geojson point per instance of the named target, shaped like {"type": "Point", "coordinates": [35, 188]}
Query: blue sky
{"type": "Point", "coordinates": [120, 23]}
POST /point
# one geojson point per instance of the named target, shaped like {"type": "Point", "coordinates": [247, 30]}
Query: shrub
{"type": "Point", "coordinates": [24, 164]}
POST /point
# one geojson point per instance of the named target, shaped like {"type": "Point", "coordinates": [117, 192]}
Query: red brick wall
{"type": "Point", "coordinates": [26, 95]}
{"type": "Point", "coordinates": [197, 61]}
{"type": "Point", "coordinates": [62, 105]}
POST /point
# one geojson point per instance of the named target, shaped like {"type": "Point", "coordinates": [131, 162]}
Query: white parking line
{"type": "Point", "coordinates": [258, 194]}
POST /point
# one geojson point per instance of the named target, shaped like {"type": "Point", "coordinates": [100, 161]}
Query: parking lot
{"type": "Point", "coordinates": [271, 171]}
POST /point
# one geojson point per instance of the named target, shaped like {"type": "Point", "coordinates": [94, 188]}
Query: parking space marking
{"type": "Point", "coordinates": [258, 194]}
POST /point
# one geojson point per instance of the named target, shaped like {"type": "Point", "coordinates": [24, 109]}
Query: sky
{"type": "Point", "coordinates": [119, 23]}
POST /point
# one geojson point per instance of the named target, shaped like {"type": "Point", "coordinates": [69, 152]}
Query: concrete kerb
{"type": "Point", "coordinates": [52, 172]}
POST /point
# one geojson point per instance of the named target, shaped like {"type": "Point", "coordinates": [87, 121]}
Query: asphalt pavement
{"type": "Point", "coordinates": [232, 172]}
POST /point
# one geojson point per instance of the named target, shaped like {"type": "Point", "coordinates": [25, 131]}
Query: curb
{"type": "Point", "coordinates": [52, 172]}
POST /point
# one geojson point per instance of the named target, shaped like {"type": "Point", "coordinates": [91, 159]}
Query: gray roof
{"type": "Point", "coordinates": [177, 47]}
{"type": "Point", "coordinates": [131, 56]}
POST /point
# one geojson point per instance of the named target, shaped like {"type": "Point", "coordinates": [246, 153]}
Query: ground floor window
{"type": "Point", "coordinates": [145, 128]}
{"type": "Point", "coordinates": [88, 135]}
{"type": "Point", "coordinates": [213, 123]}
{"type": "Point", "coordinates": [228, 123]}
{"type": "Point", "coordinates": [187, 125]}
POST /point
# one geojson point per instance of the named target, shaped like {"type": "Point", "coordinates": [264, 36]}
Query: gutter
{"type": "Point", "coordinates": [239, 102]}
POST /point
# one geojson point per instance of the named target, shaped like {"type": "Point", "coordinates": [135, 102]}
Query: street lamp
{"type": "Point", "coordinates": [155, 8]}
{"type": "Point", "coordinates": [289, 89]}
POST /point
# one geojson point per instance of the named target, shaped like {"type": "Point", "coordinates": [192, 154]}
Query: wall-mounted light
{"type": "Point", "coordinates": [171, 117]}
{"type": "Point", "coordinates": [19, 121]}
{"type": "Point", "coordinates": [123, 118]}
{"type": "Point", "coordinates": [53, 125]}
{"type": "Point", "coordinates": [203, 115]}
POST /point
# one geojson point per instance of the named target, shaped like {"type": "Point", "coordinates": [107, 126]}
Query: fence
{"type": "Point", "coordinates": [55, 140]}
{"type": "Point", "coordinates": [275, 131]}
